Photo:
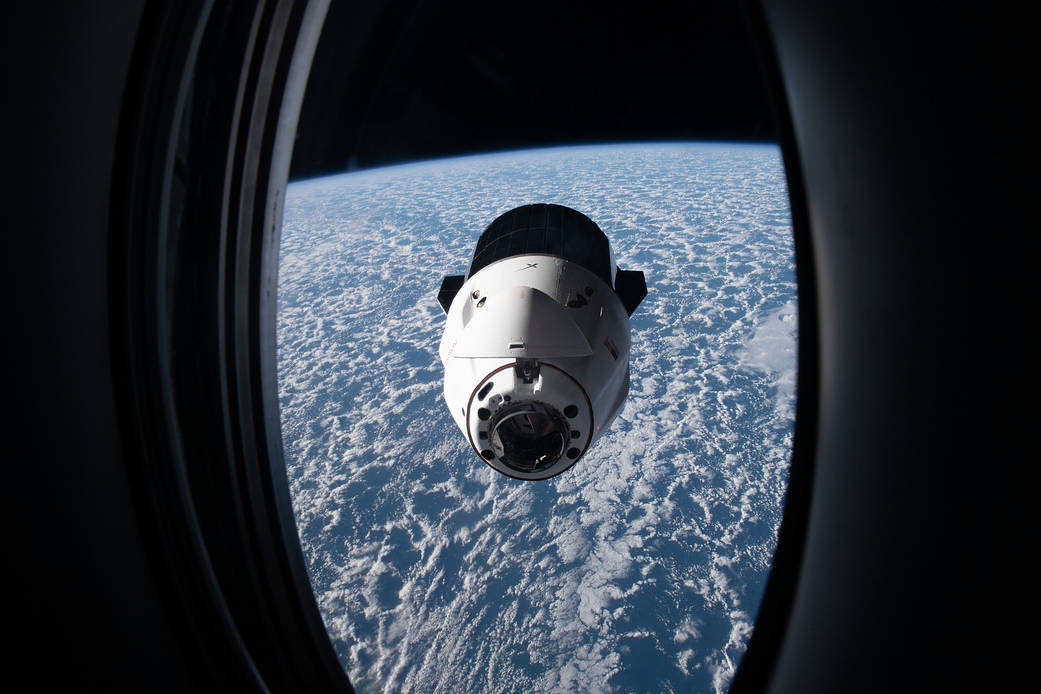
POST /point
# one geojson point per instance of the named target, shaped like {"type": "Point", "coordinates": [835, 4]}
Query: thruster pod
{"type": "Point", "coordinates": [536, 343]}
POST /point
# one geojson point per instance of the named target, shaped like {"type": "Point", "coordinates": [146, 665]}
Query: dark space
{"type": "Point", "coordinates": [434, 79]}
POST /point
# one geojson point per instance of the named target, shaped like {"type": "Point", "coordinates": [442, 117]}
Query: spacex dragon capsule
{"type": "Point", "coordinates": [536, 341]}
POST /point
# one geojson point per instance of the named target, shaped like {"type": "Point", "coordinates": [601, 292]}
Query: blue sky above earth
{"type": "Point", "coordinates": [640, 569]}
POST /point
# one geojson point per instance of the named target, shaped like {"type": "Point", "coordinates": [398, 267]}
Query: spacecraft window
{"type": "Point", "coordinates": [403, 546]}
{"type": "Point", "coordinates": [410, 544]}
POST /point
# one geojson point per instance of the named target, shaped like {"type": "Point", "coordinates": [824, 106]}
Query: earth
{"type": "Point", "coordinates": [639, 570]}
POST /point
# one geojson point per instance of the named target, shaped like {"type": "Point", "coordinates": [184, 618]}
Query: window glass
{"type": "Point", "coordinates": [641, 568]}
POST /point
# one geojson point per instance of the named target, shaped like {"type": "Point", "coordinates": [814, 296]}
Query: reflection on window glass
{"type": "Point", "coordinates": [640, 569]}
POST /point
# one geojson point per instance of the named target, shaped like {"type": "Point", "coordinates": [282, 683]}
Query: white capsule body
{"type": "Point", "coordinates": [536, 357]}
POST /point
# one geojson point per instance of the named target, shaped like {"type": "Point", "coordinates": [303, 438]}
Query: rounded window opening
{"type": "Point", "coordinates": [706, 430]}
{"type": "Point", "coordinates": [529, 436]}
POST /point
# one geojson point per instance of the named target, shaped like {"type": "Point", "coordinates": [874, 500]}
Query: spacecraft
{"type": "Point", "coordinates": [536, 341]}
